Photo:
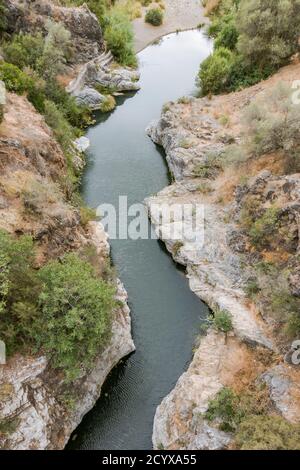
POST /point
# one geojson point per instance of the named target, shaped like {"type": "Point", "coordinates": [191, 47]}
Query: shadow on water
{"type": "Point", "coordinates": [166, 315]}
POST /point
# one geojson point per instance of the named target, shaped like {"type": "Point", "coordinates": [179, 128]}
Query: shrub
{"type": "Point", "coordinates": [119, 37]}
{"type": "Point", "coordinates": [246, 416]}
{"type": "Point", "coordinates": [3, 21]}
{"type": "Point", "coordinates": [24, 49]}
{"type": "Point", "coordinates": [63, 309]}
{"type": "Point", "coordinates": [268, 31]}
{"type": "Point", "coordinates": [222, 321]}
{"type": "Point", "coordinates": [224, 407]}
{"type": "Point", "coordinates": [215, 70]}
{"type": "Point", "coordinates": [87, 214]}
{"type": "Point", "coordinates": [76, 307]}
{"type": "Point", "coordinates": [154, 16]}
{"type": "Point", "coordinates": [268, 433]}
{"type": "Point", "coordinates": [243, 75]}
{"type": "Point", "coordinates": [108, 104]}
{"type": "Point", "coordinates": [264, 227]}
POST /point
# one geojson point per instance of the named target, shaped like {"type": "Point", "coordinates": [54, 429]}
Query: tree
{"type": "Point", "coordinates": [269, 30]}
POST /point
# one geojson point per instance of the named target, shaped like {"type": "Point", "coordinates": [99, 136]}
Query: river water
{"type": "Point", "coordinates": [166, 315]}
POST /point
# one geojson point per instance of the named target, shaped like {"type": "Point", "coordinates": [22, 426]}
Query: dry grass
{"type": "Point", "coordinates": [210, 5]}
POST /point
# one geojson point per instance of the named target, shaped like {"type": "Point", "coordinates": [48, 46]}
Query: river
{"type": "Point", "coordinates": [166, 315]}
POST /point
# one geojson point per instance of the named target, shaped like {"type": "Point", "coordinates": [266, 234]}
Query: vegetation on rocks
{"type": "Point", "coordinates": [259, 36]}
{"type": "Point", "coordinates": [63, 308]}
{"type": "Point", "coordinates": [222, 321]}
{"type": "Point", "coordinates": [154, 16]}
{"type": "Point", "coordinates": [247, 415]}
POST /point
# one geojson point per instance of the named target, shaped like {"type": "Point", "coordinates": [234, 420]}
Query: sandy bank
{"type": "Point", "coordinates": [179, 15]}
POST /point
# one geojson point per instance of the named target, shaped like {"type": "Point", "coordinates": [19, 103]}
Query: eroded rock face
{"type": "Point", "coordinates": [284, 385]}
{"type": "Point", "coordinates": [31, 15]}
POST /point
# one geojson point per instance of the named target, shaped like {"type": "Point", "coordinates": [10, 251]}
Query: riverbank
{"type": "Point", "coordinates": [193, 133]}
{"type": "Point", "coordinates": [43, 401]}
{"type": "Point", "coordinates": [179, 15]}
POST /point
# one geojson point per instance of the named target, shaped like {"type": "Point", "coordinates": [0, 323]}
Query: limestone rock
{"type": "Point", "coordinates": [89, 97]}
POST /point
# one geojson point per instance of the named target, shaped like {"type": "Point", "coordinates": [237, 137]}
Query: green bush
{"type": "Point", "coordinates": [119, 38]}
{"type": "Point", "coordinates": [154, 16]}
{"type": "Point", "coordinates": [268, 433]}
{"type": "Point", "coordinates": [247, 416]}
{"type": "Point", "coordinates": [227, 37]}
{"type": "Point", "coordinates": [215, 71]}
{"type": "Point", "coordinates": [76, 306]}
{"type": "Point", "coordinates": [222, 321]}
{"type": "Point", "coordinates": [87, 214]}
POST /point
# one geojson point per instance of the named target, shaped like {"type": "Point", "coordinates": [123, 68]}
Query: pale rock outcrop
{"type": "Point", "coordinates": [194, 140]}
{"type": "Point", "coordinates": [2, 99]}
{"type": "Point", "coordinates": [32, 397]}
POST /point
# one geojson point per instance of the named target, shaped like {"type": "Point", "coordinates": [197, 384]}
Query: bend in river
{"type": "Point", "coordinates": [166, 315]}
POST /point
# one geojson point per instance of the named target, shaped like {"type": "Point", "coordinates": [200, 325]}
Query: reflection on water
{"type": "Point", "coordinates": [166, 314]}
